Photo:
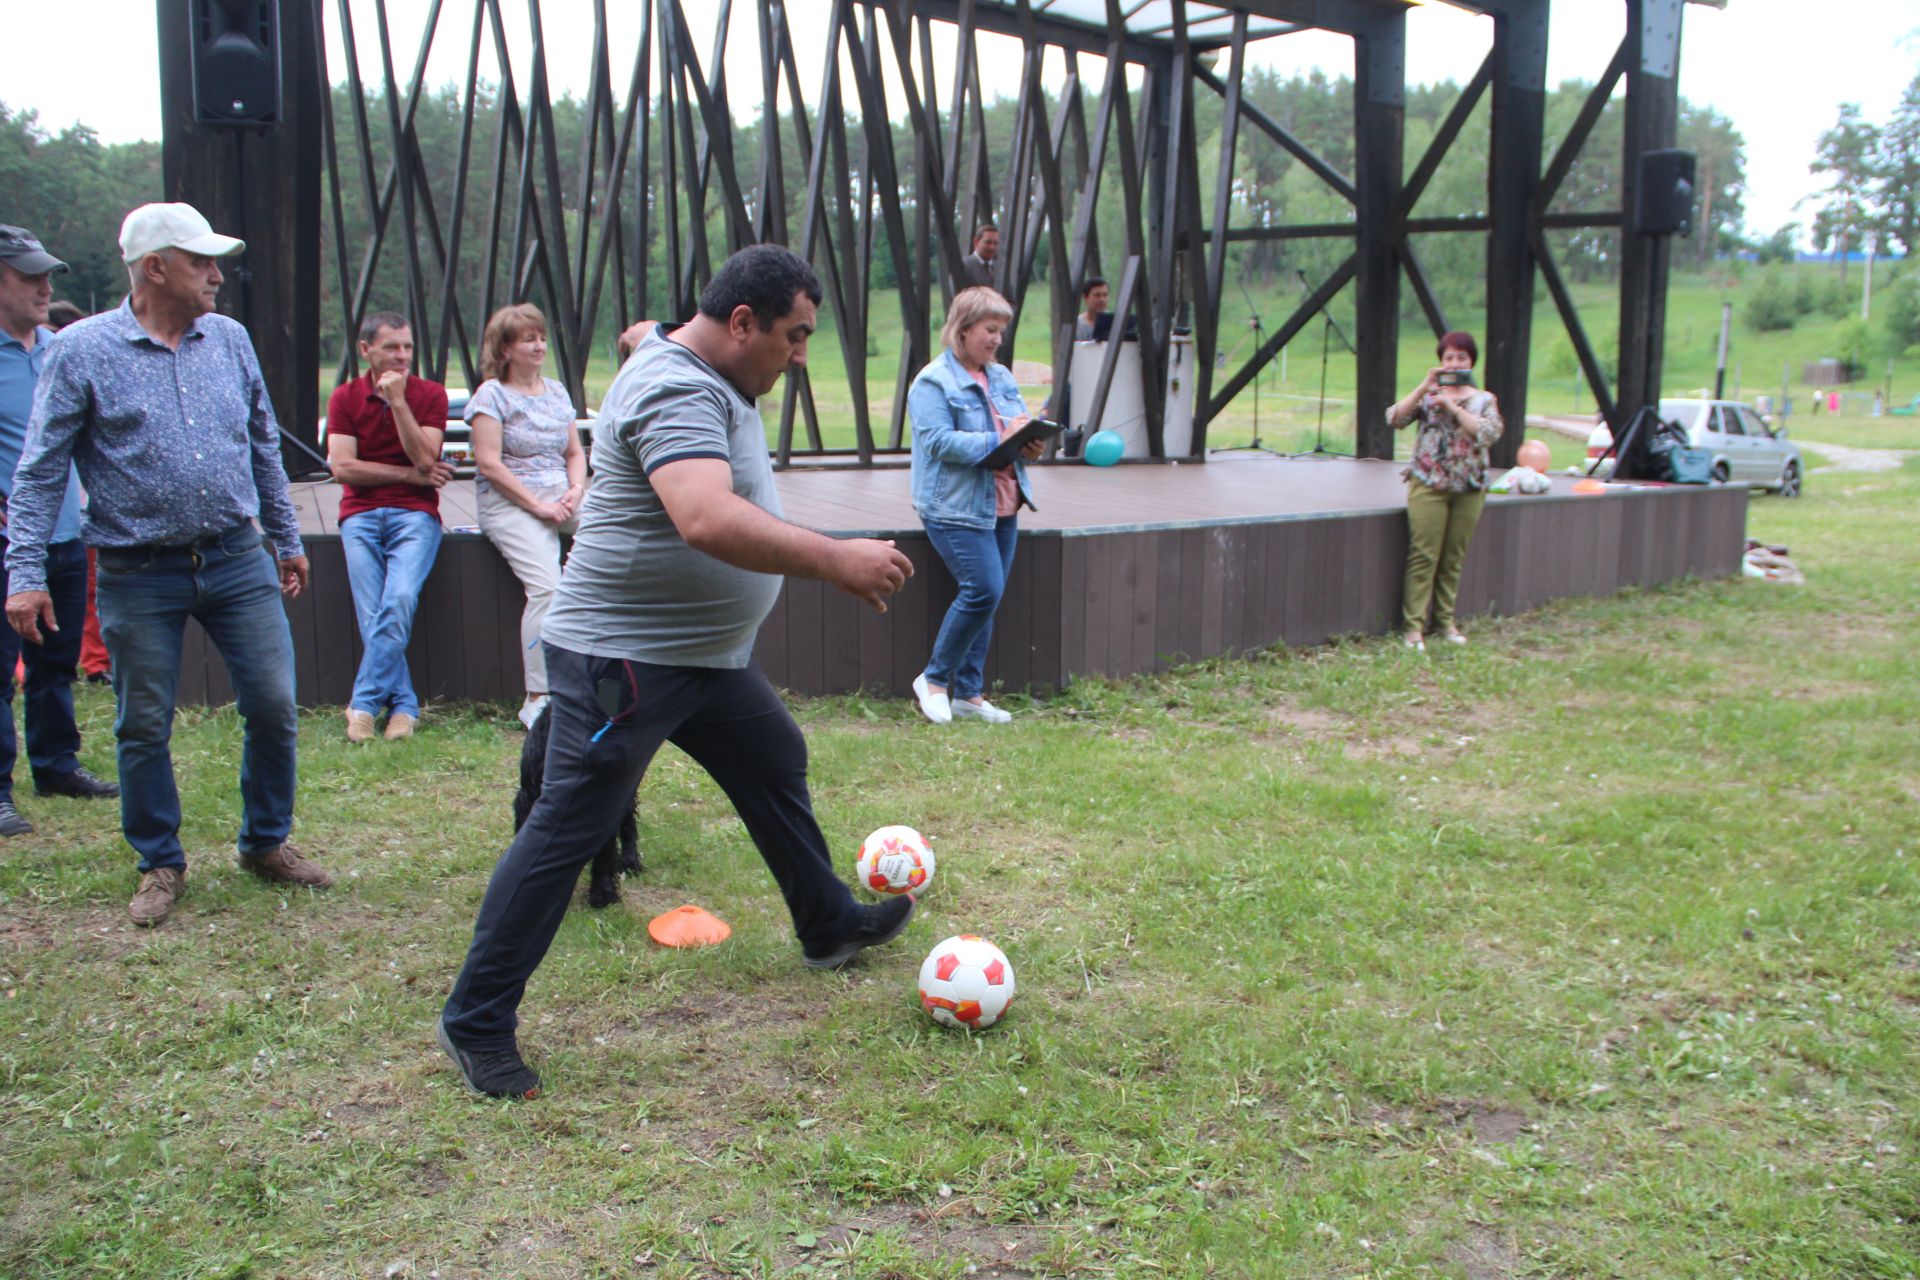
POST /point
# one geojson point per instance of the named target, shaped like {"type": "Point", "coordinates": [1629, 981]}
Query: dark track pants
{"type": "Point", "coordinates": [730, 721]}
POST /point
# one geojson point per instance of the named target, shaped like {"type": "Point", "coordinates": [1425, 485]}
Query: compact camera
{"type": "Point", "coordinates": [1455, 378]}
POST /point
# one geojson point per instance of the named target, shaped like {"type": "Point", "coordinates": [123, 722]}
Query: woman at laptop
{"type": "Point", "coordinates": [962, 406]}
{"type": "Point", "coordinates": [1446, 483]}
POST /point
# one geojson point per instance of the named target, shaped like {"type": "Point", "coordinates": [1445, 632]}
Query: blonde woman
{"type": "Point", "coordinates": [962, 405]}
{"type": "Point", "coordinates": [532, 471]}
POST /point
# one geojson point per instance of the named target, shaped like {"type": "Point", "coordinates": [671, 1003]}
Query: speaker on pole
{"type": "Point", "coordinates": [235, 46]}
{"type": "Point", "coordinates": [1663, 193]}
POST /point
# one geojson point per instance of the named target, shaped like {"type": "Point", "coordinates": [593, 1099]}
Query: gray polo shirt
{"type": "Point", "coordinates": [633, 588]}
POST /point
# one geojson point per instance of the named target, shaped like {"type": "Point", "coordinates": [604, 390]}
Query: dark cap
{"type": "Point", "coordinates": [19, 250]}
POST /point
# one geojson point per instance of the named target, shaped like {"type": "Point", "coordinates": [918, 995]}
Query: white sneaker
{"type": "Point", "coordinates": [531, 711]}
{"type": "Point", "coordinates": [981, 710]}
{"type": "Point", "coordinates": [934, 706]}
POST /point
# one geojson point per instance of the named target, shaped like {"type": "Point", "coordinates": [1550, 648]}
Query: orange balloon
{"type": "Point", "coordinates": [1589, 486]}
{"type": "Point", "coordinates": [1534, 453]}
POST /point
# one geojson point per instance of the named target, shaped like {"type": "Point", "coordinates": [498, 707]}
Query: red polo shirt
{"type": "Point", "coordinates": [354, 410]}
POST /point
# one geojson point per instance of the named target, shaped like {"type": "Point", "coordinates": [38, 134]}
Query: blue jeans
{"type": "Point", "coordinates": [52, 737]}
{"type": "Point", "coordinates": [390, 552]}
{"type": "Point", "coordinates": [979, 560]}
{"type": "Point", "coordinates": [145, 595]}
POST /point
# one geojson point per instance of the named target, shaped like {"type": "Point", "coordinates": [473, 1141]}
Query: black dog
{"type": "Point", "coordinates": [618, 855]}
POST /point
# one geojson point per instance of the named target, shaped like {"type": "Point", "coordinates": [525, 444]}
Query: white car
{"type": "Point", "coordinates": [1744, 448]}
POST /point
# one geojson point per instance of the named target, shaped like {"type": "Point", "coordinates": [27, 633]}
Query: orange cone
{"type": "Point", "coordinates": [688, 926]}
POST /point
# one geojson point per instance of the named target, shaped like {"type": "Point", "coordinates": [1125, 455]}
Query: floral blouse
{"type": "Point", "coordinates": [533, 431]}
{"type": "Point", "coordinates": [1447, 456]}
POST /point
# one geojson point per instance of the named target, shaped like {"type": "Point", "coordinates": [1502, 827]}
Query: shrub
{"type": "Point", "coordinates": [1771, 304]}
{"type": "Point", "coordinates": [1837, 298]}
{"type": "Point", "coordinates": [1902, 312]}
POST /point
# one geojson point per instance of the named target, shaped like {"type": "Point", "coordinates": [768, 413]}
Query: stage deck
{"type": "Point", "coordinates": [1122, 570]}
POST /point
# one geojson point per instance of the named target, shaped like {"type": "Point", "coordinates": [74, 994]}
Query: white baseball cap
{"type": "Point", "coordinates": [153, 227]}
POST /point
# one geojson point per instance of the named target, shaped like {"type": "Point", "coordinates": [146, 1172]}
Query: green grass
{"type": "Point", "coordinates": [1587, 950]}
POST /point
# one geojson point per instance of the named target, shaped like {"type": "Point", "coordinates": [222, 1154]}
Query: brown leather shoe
{"type": "Point", "coordinates": [285, 866]}
{"type": "Point", "coordinates": [399, 725]}
{"type": "Point", "coordinates": [160, 888]}
{"type": "Point", "coordinates": [359, 726]}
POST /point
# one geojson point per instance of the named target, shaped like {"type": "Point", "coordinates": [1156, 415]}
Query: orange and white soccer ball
{"type": "Point", "coordinates": [895, 860]}
{"type": "Point", "coordinates": [966, 982]}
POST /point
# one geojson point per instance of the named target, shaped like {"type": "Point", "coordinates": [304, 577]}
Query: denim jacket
{"type": "Point", "coordinates": [952, 431]}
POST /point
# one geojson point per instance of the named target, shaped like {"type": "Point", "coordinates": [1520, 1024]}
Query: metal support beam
{"type": "Point", "coordinates": [1653, 106]}
{"type": "Point", "coordinates": [262, 185]}
{"type": "Point", "coordinates": [1379, 61]}
{"type": "Point", "coordinates": [1518, 138]}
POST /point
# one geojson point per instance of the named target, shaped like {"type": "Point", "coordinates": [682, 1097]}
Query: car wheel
{"type": "Point", "coordinates": [1720, 473]}
{"type": "Point", "coordinates": [1790, 480]}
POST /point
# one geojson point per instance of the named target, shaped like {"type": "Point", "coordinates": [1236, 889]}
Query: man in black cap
{"type": "Point", "coordinates": [53, 739]}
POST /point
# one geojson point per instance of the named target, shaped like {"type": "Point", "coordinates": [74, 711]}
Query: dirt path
{"type": "Point", "coordinates": [1842, 457]}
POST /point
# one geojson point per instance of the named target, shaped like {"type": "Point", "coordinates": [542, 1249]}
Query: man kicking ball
{"type": "Point", "coordinates": [677, 562]}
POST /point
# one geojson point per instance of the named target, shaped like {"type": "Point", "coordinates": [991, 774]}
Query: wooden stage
{"type": "Point", "coordinates": [1122, 570]}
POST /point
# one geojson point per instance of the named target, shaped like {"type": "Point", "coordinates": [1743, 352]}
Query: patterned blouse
{"type": "Point", "coordinates": [533, 431]}
{"type": "Point", "coordinates": [1447, 456]}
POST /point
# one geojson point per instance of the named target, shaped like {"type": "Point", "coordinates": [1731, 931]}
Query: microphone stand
{"type": "Point", "coordinates": [1327, 331]}
{"type": "Point", "coordinates": [1259, 341]}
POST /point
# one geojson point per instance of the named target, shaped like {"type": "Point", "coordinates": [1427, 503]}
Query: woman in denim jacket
{"type": "Point", "coordinates": [962, 405]}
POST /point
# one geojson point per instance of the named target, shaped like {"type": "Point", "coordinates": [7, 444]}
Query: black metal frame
{"type": "Point", "coordinates": [1170, 266]}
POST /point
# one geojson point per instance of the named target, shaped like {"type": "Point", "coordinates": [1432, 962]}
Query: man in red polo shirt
{"type": "Point", "coordinates": [383, 443]}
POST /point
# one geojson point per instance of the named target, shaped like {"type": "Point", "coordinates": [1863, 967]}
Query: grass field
{"type": "Point", "coordinates": [1587, 950]}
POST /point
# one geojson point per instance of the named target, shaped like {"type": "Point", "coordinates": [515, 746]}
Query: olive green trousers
{"type": "Point", "coordinates": [1440, 525]}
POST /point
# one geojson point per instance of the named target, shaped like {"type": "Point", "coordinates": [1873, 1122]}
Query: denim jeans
{"type": "Point", "coordinates": [52, 737]}
{"type": "Point", "coordinates": [390, 552]}
{"type": "Point", "coordinates": [145, 596]}
{"type": "Point", "coordinates": [733, 725]}
{"type": "Point", "coordinates": [1440, 524]}
{"type": "Point", "coordinates": [979, 560]}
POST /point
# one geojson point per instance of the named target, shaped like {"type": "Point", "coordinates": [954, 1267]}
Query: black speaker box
{"type": "Point", "coordinates": [236, 62]}
{"type": "Point", "coordinates": [1663, 195]}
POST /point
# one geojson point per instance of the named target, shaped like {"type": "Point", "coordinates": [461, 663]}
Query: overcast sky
{"type": "Point", "coordinates": [1778, 68]}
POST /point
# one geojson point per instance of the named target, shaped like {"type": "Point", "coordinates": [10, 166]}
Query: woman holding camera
{"type": "Point", "coordinates": [1446, 483]}
{"type": "Point", "coordinates": [962, 405]}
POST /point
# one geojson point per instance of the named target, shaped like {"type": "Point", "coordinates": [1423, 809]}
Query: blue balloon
{"type": "Point", "coordinates": [1105, 448]}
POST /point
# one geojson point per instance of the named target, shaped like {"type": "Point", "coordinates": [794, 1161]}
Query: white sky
{"type": "Point", "coordinates": [1778, 68]}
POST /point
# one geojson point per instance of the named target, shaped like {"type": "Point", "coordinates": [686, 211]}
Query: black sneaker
{"type": "Point", "coordinates": [873, 926]}
{"type": "Point", "coordinates": [11, 823]}
{"type": "Point", "coordinates": [79, 784]}
{"type": "Point", "coordinates": [498, 1075]}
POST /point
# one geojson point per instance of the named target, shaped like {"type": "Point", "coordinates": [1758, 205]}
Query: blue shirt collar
{"type": "Point", "coordinates": [130, 330]}
{"type": "Point", "coordinates": [41, 336]}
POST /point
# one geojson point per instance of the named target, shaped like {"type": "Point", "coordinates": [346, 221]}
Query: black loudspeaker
{"type": "Point", "coordinates": [1663, 196]}
{"type": "Point", "coordinates": [236, 62]}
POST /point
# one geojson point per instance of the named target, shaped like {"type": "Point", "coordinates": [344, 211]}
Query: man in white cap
{"type": "Point", "coordinates": [53, 739]}
{"type": "Point", "coordinates": [161, 407]}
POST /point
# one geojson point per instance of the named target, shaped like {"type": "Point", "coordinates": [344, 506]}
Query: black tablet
{"type": "Point", "coordinates": [1007, 450]}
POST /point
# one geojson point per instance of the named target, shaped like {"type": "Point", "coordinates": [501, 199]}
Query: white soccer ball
{"type": "Point", "coordinates": [895, 860]}
{"type": "Point", "coordinates": [966, 982]}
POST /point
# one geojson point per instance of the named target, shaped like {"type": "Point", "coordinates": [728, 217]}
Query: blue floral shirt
{"type": "Point", "coordinates": [172, 446]}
